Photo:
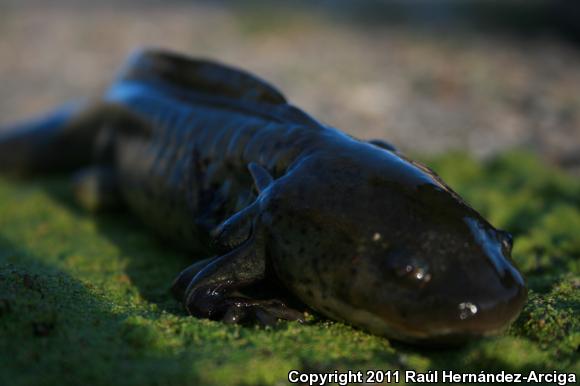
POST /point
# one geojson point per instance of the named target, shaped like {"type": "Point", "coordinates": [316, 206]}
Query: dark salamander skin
{"type": "Point", "coordinates": [208, 155]}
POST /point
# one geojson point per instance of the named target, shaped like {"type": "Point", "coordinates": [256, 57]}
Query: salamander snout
{"type": "Point", "coordinates": [446, 287]}
{"type": "Point", "coordinates": [477, 293]}
{"type": "Point", "coordinates": [495, 290]}
{"type": "Point", "coordinates": [486, 309]}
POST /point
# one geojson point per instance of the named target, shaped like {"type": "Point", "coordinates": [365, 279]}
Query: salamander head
{"type": "Point", "coordinates": [382, 243]}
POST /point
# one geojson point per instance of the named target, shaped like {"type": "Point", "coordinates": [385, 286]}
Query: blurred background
{"type": "Point", "coordinates": [428, 76]}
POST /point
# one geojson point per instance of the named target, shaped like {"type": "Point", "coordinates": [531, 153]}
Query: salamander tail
{"type": "Point", "coordinates": [59, 141]}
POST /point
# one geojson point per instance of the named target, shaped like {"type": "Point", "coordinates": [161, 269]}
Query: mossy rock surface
{"type": "Point", "coordinates": [84, 300]}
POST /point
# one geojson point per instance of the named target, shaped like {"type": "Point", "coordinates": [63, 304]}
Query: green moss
{"type": "Point", "coordinates": [552, 320]}
{"type": "Point", "coordinates": [84, 300]}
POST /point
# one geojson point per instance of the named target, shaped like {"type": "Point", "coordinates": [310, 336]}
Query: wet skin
{"type": "Point", "coordinates": [354, 229]}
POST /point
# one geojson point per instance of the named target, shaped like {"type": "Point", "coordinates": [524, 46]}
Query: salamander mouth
{"type": "Point", "coordinates": [441, 337]}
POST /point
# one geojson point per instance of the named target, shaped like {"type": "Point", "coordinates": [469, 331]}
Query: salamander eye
{"type": "Point", "coordinates": [507, 242]}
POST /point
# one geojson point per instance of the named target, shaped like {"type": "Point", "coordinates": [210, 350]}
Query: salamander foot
{"type": "Point", "coordinates": [240, 310]}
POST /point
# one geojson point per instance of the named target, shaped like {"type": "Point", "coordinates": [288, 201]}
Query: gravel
{"type": "Point", "coordinates": [427, 91]}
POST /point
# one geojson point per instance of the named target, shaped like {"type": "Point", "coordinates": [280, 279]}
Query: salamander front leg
{"type": "Point", "coordinates": [212, 291]}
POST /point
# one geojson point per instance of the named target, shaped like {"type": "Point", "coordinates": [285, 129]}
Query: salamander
{"type": "Point", "coordinates": [205, 154]}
